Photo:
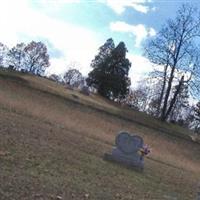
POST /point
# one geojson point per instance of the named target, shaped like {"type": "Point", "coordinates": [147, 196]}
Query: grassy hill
{"type": "Point", "coordinates": [52, 141]}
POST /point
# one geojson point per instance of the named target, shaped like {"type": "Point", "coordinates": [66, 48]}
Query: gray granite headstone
{"type": "Point", "coordinates": [126, 150]}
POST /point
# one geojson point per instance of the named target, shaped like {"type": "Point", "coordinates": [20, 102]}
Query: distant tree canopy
{"type": "Point", "coordinates": [32, 57]}
{"type": "Point", "coordinates": [110, 71]}
{"type": "Point", "coordinates": [55, 77]}
{"type": "Point", "coordinates": [3, 54]}
{"type": "Point", "coordinates": [17, 57]}
{"type": "Point", "coordinates": [37, 58]}
{"type": "Point", "coordinates": [74, 78]}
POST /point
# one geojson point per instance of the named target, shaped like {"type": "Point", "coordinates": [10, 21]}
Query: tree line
{"type": "Point", "coordinates": [32, 57]}
{"type": "Point", "coordinates": [168, 90]}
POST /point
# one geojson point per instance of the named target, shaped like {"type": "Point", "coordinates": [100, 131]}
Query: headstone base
{"type": "Point", "coordinates": [134, 161]}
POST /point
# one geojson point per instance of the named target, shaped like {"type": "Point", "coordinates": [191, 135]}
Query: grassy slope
{"type": "Point", "coordinates": [52, 141]}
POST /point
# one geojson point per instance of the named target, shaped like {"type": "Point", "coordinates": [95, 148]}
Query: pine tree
{"type": "Point", "coordinates": [110, 71]}
{"type": "Point", "coordinates": [104, 52]}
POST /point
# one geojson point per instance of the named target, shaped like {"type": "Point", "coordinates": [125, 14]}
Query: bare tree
{"type": "Point", "coordinates": [181, 106]}
{"type": "Point", "coordinates": [138, 98]}
{"type": "Point", "coordinates": [3, 54]}
{"type": "Point", "coordinates": [37, 58]}
{"type": "Point", "coordinates": [55, 77]}
{"type": "Point", "coordinates": [16, 56]}
{"type": "Point", "coordinates": [134, 99]}
{"type": "Point", "coordinates": [74, 78]}
{"type": "Point", "coordinates": [175, 51]}
{"type": "Point", "coordinates": [193, 119]}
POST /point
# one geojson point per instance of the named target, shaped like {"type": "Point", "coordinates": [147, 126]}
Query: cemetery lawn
{"type": "Point", "coordinates": [52, 141]}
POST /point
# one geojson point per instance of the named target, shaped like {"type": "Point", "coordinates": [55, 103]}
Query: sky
{"type": "Point", "coordinates": [73, 30]}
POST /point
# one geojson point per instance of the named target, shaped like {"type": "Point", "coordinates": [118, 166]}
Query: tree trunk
{"type": "Point", "coordinates": [163, 90]}
{"type": "Point", "coordinates": [163, 118]}
{"type": "Point", "coordinates": [174, 98]}
{"type": "Point", "coordinates": [167, 94]}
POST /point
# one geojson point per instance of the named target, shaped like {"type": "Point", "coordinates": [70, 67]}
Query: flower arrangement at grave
{"type": "Point", "coordinates": [145, 150]}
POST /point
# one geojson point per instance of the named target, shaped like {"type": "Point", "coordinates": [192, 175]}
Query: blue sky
{"type": "Point", "coordinates": [73, 30]}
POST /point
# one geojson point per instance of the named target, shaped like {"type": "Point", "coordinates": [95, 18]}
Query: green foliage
{"type": "Point", "coordinates": [110, 71]}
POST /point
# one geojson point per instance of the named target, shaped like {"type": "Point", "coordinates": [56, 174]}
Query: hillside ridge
{"type": "Point", "coordinates": [53, 140]}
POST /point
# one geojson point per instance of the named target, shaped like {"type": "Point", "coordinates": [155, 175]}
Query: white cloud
{"type": "Point", "coordinates": [139, 31]}
{"type": "Point", "coordinates": [151, 32]}
{"type": "Point", "coordinates": [52, 5]}
{"type": "Point", "coordinates": [58, 66]}
{"type": "Point", "coordinates": [119, 6]}
{"type": "Point", "coordinates": [19, 22]}
{"type": "Point", "coordinates": [141, 66]}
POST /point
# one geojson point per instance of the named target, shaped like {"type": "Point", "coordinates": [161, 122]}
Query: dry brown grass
{"type": "Point", "coordinates": [56, 145]}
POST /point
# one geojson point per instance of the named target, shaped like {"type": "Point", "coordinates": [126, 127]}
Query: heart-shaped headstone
{"type": "Point", "coordinates": [128, 143]}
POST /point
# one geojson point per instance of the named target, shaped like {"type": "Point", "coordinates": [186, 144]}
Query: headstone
{"type": "Point", "coordinates": [126, 150]}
